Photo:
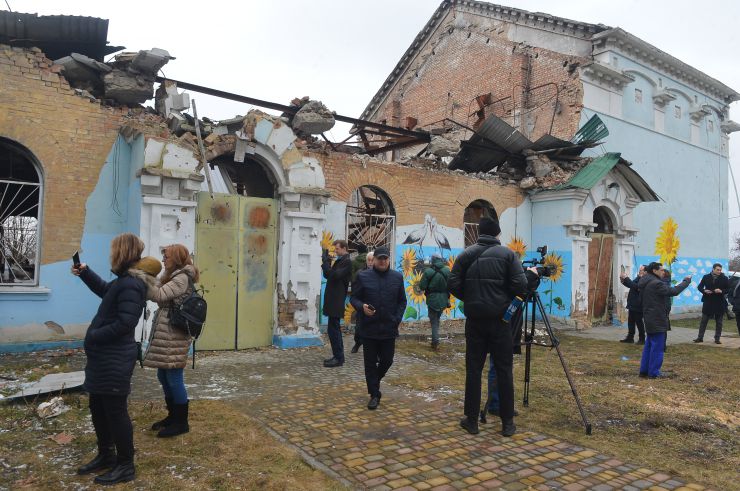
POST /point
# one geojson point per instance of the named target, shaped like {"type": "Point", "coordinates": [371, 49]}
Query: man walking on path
{"type": "Point", "coordinates": [434, 285]}
{"type": "Point", "coordinates": [337, 281]}
{"type": "Point", "coordinates": [713, 287]}
{"type": "Point", "coordinates": [379, 298]}
{"type": "Point", "coordinates": [486, 277]}
{"type": "Point", "coordinates": [362, 262]}
{"type": "Point", "coordinates": [653, 295]}
{"type": "Point", "coordinates": [634, 309]}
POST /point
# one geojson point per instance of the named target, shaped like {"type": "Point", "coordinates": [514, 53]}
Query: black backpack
{"type": "Point", "coordinates": [190, 314]}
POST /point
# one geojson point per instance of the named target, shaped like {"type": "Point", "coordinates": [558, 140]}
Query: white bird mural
{"type": "Point", "coordinates": [416, 237]}
{"type": "Point", "coordinates": [438, 236]}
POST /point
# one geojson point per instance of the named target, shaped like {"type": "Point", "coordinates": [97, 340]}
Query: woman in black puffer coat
{"type": "Point", "coordinates": [110, 347]}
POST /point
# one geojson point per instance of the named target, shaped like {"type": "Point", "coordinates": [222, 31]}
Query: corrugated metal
{"type": "Point", "coordinates": [498, 131]}
{"type": "Point", "coordinates": [641, 187]}
{"type": "Point", "coordinates": [594, 130]}
{"type": "Point", "coordinates": [593, 172]}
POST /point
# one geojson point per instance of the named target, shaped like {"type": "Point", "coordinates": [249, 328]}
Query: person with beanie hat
{"type": "Point", "coordinates": [486, 277]}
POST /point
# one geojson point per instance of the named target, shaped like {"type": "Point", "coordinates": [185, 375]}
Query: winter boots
{"type": "Point", "coordinates": [106, 459]}
{"type": "Point", "coordinates": [167, 420]}
{"type": "Point", "coordinates": [179, 423]}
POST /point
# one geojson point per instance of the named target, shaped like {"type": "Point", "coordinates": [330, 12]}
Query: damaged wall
{"type": "Point", "coordinates": [470, 55]}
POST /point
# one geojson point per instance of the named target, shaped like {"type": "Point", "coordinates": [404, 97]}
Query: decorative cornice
{"type": "Point", "coordinates": [698, 112]}
{"type": "Point", "coordinates": [561, 194]}
{"type": "Point", "coordinates": [661, 97]}
{"type": "Point", "coordinates": [606, 75]}
{"type": "Point", "coordinates": [729, 126]}
{"type": "Point", "coordinates": [619, 40]}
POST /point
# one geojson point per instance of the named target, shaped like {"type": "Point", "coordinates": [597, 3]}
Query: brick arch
{"type": "Point", "coordinates": [379, 178]}
{"type": "Point", "coordinates": [499, 197]}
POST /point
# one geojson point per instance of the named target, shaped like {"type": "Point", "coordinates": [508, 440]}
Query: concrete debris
{"type": "Point", "coordinates": [443, 147]}
{"type": "Point", "coordinates": [168, 99]}
{"type": "Point", "coordinates": [528, 183]}
{"type": "Point", "coordinates": [127, 88]}
{"type": "Point", "coordinates": [313, 118]}
{"type": "Point", "coordinates": [539, 165]}
{"type": "Point", "coordinates": [83, 73]}
{"type": "Point", "coordinates": [51, 409]}
{"type": "Point", "coordinates": [150, 61]}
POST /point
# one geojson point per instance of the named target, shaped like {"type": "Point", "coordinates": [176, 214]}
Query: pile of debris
{"type": "Point", "coordinates": [128, 79]}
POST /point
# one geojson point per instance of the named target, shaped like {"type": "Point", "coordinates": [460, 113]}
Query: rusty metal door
{"type": "Point", "coordinates": [600, 257]}
{"type": "Point", "coordinates": [235, 249]}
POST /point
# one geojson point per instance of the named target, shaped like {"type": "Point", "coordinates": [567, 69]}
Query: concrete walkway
{"type": "Point", "coordinates": [411, 442]}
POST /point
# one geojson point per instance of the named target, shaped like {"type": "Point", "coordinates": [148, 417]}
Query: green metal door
{"type": "Point", "coordinates": [235, 250]}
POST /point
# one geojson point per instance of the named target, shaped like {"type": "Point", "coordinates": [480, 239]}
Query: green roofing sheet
{"type": "Point", "coordinates": [593, 172]}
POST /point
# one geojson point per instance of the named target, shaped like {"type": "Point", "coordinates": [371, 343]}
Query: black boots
{"type": "Point", "coordinates": [179, 422]}
{"type": "Point", "coordinates": [105, 459]}
{"type": "Point", "coordinates": [508, 428]}
{"type": "Point", "coordinates": [167, 420]}
{"type": "Point", "coordinates": [356, 348]}
{"type": "Point", "coordinates": [627, 340]}
{"type": "Point", "coordinates": [470, 425]}
{"type": "Point", "coordinates": [120, 473]}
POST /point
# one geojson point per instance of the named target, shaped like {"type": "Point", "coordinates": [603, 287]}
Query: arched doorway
{"type": "Point", "coordinates": [248, 178]}
{"type": "Point", "coordinates": [370, 219]}
{"type": "Point", "coordinates": [600, 264]}
{"type": "Point", "coordinates": [21, 188]}
{"type": "Point", "coordinates": [476, 210]}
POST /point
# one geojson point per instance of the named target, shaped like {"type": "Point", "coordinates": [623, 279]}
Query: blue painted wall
{"type": "Point", "coordinates": [112, 208]}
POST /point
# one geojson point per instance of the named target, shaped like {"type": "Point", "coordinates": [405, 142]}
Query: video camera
{"type": "Point", "coordinates": [539, 263]}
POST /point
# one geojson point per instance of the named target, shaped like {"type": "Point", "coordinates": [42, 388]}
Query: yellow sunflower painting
{"type": "Point", "coordinates": [667, 243]}
{"type": "Point", "coordinates": [408, 262]}
{"type": "Point", "coordinates": [451, 261]}
{"type": "Point", "coordinates": [415, 295]}
{"type": "Point", "coordinates": [348, 311]}
{"type": "Point", "coordinates": [555, 263]}
{"type": "Point", "coordinates": [327, 239]}
{"type": "Point", "coordinates": [517, 245]}
{"type": "Point", "coordinates": [453, 305]}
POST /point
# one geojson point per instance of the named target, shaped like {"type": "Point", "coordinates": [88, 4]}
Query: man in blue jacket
{"type": "Point", "coordinates": [379, 298]}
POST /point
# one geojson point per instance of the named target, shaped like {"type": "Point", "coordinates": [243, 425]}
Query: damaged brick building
{"type": "Point", "coordinates": [491, 110]}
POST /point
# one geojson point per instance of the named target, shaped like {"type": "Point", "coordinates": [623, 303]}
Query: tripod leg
{"type": "Point", "coordinates": [556, 345]}
{"type": "Point", "coordinates": [528, 337]}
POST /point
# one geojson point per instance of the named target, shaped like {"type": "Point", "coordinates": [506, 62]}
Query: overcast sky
{"type": "Point", "coordinates": [341, 51]}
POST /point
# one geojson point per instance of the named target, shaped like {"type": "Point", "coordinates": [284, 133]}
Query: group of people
{"type": "Point", "coordinates": [486, 277]}
{"type": "Point", "coordinates": [649, 305]}
{"type": "Point", "coordinates": [112, 351]}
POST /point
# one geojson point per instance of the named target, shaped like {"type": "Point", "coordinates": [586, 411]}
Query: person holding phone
{"type": "Point", "coordinates": [110, 347]}
{"type": "Point", "coordinates": [379, 298]}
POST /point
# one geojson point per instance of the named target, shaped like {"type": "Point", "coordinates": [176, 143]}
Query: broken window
{"type": "Point", "coordinates": [371, 220]}
{"type": "Point", "coordinates": [603, 221]}
{"type": "Point", "coordinates": [473, 213]}
{"type": "Point", "coordinates": [20, 197]}
{"type": "Point", "coordinates": [638, 96]}
{"type": "Point", "coordinates": [248, 178]}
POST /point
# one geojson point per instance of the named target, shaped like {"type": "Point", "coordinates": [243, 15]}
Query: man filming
{"type": "Point", "coordinates": [486, 277]}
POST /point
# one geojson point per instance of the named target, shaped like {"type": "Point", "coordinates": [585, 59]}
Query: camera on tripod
{"type": "Point", "coordinates": [539, 263]}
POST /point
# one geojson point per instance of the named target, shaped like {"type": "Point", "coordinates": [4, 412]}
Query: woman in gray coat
{"type": "Point", "coordinates": [168, 345]}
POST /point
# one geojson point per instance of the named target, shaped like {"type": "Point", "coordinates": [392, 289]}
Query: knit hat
{"type": "Point", "coordinates": [150, 265]}
{"type": "Point", "coordinates": [489, 226]}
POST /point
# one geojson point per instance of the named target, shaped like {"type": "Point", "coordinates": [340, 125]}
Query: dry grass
{"type": "Point", "coordinates": [224, 450]}
{"type": "Point", "coordinates": [686, 425]}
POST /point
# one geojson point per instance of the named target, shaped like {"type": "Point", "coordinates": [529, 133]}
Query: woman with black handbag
{"type": "Point", "coordinates": [110, 347]}
{"type": "Point", "coordinates": [169, 343]}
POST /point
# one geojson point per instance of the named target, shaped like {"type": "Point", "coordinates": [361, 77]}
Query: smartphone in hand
{"type": "Point", "coordinates": [76, 259]}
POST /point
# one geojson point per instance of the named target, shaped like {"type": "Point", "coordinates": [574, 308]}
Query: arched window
{"type": "Point", "coordinates": [473, 213]}
{"type": "Point", "coordinates": [603, 221]}
{"type": "Point", "coordinates": [371, 219]}
{"type": "Point", "coordinates": [20, 213]}
{"type": "Point", "coordinates": [249, 178]}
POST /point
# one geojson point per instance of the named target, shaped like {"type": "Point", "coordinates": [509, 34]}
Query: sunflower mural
{"type": "Point", "coordinates": [450, 311]}
{"type": "Point", "coordinates": [667, 243]}
{"type": "Point", "coordinates": [556, 265]}
{"type": "Point", "coordinates": [517, 245]}
{"type": "Point", "coordinates": [415, 295]}
{"type": "Point", "coordinates": [348, 311]}
{"type": "Point", "coordinates": [327, 239]}
{"type": "Point", "coordinates": [408, 262]}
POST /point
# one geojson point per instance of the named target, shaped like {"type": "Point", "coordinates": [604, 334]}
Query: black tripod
{"type": "Point", "coordinates": [533, 298]}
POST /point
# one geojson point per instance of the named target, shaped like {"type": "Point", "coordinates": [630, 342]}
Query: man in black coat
{"type": "Point", "coordinates": [733, 296]}
{"type": "Point", "coordinates": [634, 309]}
{"type": "Point", "coordinates": [337, 277]}
{"type": "Point", "coordinates": [486, 277]}
{"type": "Point", "coordinates": [379, 298]}
{"type": "Point", "coordinates": [713, 287]}
{"type": "Point", "coordinates": [655, 297]}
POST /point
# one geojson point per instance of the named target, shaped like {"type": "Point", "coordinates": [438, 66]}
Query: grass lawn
{"type": "Point", "coordinates": [728, 325]}
{"type": "Point", "coordinates": [686, 425]}
{"type": "Point", "coordinates": [224, 450]}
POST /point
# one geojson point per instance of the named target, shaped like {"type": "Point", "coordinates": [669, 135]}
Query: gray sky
{"type": "Point", "coordinates": [341, 51]}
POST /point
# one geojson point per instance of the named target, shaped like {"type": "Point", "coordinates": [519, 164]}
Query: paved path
{"type": "Point", "coordinates": [677, 335]}
{"type": "Point", "coordinates": [411, 442]}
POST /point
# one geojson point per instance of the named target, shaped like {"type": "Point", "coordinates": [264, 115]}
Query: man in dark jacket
{"type": "Point", "coordinates": [634, 309]}
{"type": "Point", "coordinates": [486, 277]}
{"type": "Point", "coordinates": [362, 262]}
{"type": "Point", "coordinates": [713, 287]}
{"type": "Point", "coordinates": [380, 300]}
{"type": "Point", "coordinates": [434, 285]}
{"type": "Point", "coordinates": [653, 295]}
{"type": "Point", "coordinates": [733, 296]}
{"type": "Point", "coordinates": [337, 281]}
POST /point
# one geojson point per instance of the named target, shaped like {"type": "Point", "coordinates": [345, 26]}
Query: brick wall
{"type": "Point", "coordinates": [460, 63]}
{"type": "Point", "coordinates": [414, 192]}
{"type": "Point", "coordinates": [69, 135]}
